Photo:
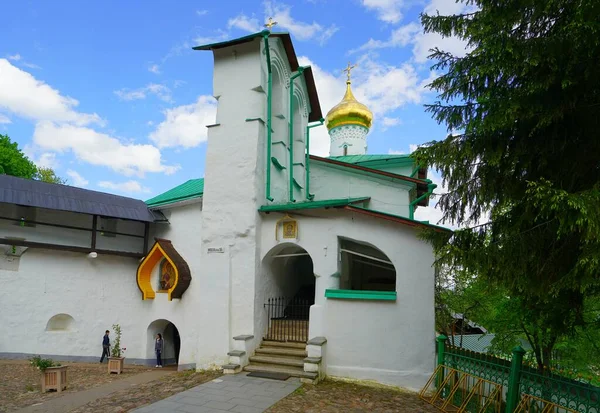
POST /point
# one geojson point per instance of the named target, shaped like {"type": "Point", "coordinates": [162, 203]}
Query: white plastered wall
{"type": "Point", "coordinates": [390, 342]}
{"type": "Point", "coordinates": [98, 293]}
{"type": "Point", "coordinates": [387, 195]}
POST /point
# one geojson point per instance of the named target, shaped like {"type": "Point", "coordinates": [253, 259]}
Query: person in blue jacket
{"type": "Point", "coordinates": [105, 347]}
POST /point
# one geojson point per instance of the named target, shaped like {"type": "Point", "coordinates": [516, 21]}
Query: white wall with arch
{"type": "Point", "coordinates": [388, 341]}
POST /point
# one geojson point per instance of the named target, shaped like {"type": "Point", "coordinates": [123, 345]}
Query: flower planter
{"type": "Point", "coordinates": [54, 378]}
{"type": "Point", "coordinates": [115, 364]}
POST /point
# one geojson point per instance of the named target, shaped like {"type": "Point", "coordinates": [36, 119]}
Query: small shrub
{"type": "Point", "coordinates": [42, 364]}
{"type": "Point", "coordinates": [116, 350]}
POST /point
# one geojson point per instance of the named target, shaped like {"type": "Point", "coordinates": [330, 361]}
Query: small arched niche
{"type": "Point", "coordinates": [60, 322]}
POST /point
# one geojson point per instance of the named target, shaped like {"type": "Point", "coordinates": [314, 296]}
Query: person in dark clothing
{"type": "Point", "coordinates": [158, 349]}
{"type": "Point", "coordinates": [105, 347]}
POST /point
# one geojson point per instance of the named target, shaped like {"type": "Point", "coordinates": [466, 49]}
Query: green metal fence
{"type": "Point", "coordinates": [518, 380]}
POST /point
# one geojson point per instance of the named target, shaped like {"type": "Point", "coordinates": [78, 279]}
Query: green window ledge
{"type": "Point", "coordinates": [361, 295]}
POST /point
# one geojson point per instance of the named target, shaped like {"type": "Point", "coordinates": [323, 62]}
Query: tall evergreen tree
{"type": "Point", "coordinates": [523, 109]}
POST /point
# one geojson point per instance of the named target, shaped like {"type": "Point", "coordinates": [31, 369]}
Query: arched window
{"type": "Point", "coordinates": [60, 322]}
{"type": "Point", "coordinates": [365, 267]}
{"type": "Point", "coordinates": [345, 150]}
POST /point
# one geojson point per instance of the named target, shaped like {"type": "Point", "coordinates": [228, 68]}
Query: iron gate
{"type": "Point", "coordinates": [288, 319]}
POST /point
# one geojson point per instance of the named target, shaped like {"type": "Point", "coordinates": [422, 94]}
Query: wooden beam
{"type": "Point", "coordinates": [146, 236]}
{"type": "Point", "coordinates": [71, 248]}
{"type": "Point", "coordinates": [94, 226]}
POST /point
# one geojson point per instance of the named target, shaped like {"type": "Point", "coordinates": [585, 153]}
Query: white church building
{"type": "Point", "coordinates": [276, 260]}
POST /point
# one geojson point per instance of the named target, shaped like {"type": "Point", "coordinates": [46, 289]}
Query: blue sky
{"type": "Point", "coordinates": [112, 97]}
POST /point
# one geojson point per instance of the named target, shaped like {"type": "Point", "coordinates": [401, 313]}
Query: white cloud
{"type": "Point", "coordinates": [161, 91]}
{"type": "Point", "coordinates": [389, 11]}
{"type": "Point", "coordinates": [201, 12]}
{"type": "Point", "coordinates": [400, 37]}
{"type": "Point", "coordinates": [388, 122]}
{"type": "Point", "coordinates": [245, 23]}
{"type": "Point", "coordinates": [184, 125]}
{"type": "Point", "coordinates": [422, 43]}
{"type": "Point", "coordinates": [46, 160]}
{"type": "Point", "coordinates": [31, 65]}
{"type": "Point", "coordinates": [4, 119]}
{"type": "Point", "coordinates": [15, 57]}
{"type": "Point", "coordinates": [395, 152]}
{"type": "Point", "coordinates": [300, 30]}
{"type": "Point", "coordinates": [100, 149]}
{"type": "Point", "coordinates": [78, 180]}
{"type": "Point", "coordinates": [413, 147]}
{"type": "Point", "coordinates": [125, 187]}
{"type": "Point", "coordinates": [219, 36]}
{"type": "Point", "coordinates": [154, 69]}
{"type": "Point", "coordinates": [25, 96]}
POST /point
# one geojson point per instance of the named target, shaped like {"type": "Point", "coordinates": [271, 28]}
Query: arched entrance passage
{"type": "Point", "coordinates": [171, 341]}
{"type": "Point", "coordinates": [289, 292]}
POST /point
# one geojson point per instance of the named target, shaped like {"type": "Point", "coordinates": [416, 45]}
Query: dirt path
{"type": "Point", "coordinates": [20, 384]}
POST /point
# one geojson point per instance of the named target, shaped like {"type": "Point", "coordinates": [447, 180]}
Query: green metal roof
{"type": "Point", "coordinates": [402, 218]}
{"type": "Point", "coordinates": [231, 42]}
{"type": "Point", "coordinates": [327, 203]}
{"type": "Point", "coordinates": [194, 188]}
{"type": "Point", "coordinates": [368, 158]}
{"type": "Point", "coordinates": [375, 161]}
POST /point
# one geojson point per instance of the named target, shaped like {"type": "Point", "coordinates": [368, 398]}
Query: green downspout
{"type": "Point", "coordinates": [309, 196]}
{"type": "Point", "coordinates": [265, 34]}
{"type": "Point", "coordinates": [414, 172]}
{"type": "Point", "coordinates": [291, 133]}
{"type": "Point", "coordinates": [411, 207]}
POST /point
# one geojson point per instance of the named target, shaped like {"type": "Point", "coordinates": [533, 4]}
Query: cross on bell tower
{"type": "Point", "coordinates": [269, 25]}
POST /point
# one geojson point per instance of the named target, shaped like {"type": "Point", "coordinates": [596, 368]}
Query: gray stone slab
{"type": "Point", "coordinates": [164, 404]}
{"type": "Point", "coordinates": [317, 341]}
{"type": "Point", "coordinates": [243, 401]}
{"type": "Point", "coordinates": [244, 337]}
{"type": "Point", "coordinates": [220, 405]}
{"type": "Point", "coordinates": [193, 401]}
{"type": "Point", "coordinates": [247, 409]}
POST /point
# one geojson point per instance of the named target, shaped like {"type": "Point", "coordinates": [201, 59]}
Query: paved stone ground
{"type": "Point", "coordinates": [230, 393]}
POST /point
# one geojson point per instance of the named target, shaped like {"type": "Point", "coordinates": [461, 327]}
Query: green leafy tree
{"type": "Point", "coordinates": [522, 108]}
{"type": "Point", "coordinates": [48, 175]}
{"type": "Point", "coordinates": [13, 161]}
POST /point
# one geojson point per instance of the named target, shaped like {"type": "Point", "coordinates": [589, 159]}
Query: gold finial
{"type": "Point", "coordinates": [270, 24]}
{"type": "Point", "coordinates": [348, 70]}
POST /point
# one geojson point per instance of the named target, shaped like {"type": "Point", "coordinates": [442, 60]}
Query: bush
{"type": "Point", "coordinates": [42, 364]}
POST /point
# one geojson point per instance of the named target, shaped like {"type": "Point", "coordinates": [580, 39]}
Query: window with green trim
{"type": "Point", "coordinates": [363, 267]}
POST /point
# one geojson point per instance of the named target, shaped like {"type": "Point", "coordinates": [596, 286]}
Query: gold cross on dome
{"type": "Point", "coordinates": [270, 24]}
{"type": "Point", "coordinates": [348, 70]}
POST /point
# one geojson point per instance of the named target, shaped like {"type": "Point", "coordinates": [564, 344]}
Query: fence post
{"type": "Point", "coordinates": [512, 397]}
{"type": "Point", "coordinates": [441, 350]}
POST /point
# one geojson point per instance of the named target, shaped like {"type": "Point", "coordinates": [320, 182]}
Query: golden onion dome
{"type": "Point", "coordinates": [349, 112]}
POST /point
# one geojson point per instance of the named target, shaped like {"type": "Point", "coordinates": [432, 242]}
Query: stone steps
{"type": "Point", "coordinates": [286, 344]}
{"type": "Point", "coordinates": [281, 351]}
{"type": "Point", "coordinates": [292, 371]}
{"type": "Point", "coordinates": [281, 361]}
